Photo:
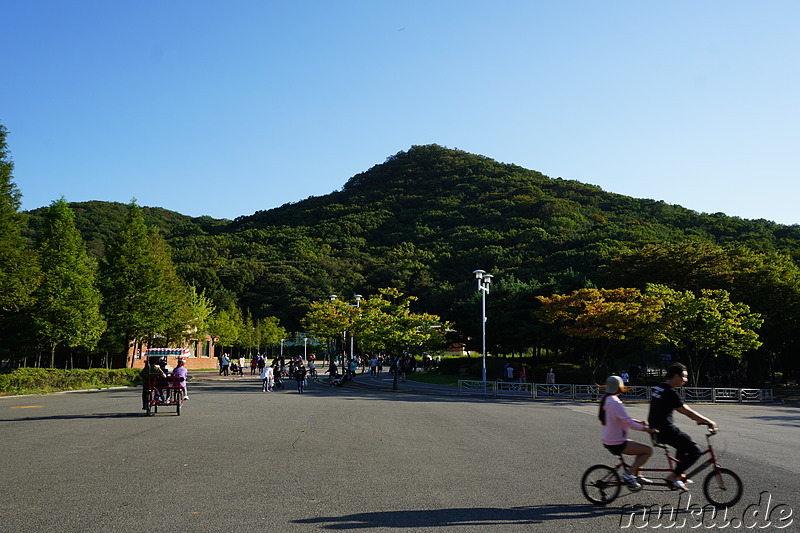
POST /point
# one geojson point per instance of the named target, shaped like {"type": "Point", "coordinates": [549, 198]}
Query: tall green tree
{"type": "Point", "coordinates": [386, 323]}
{"type": "Point", "coordinates": [269, 331]}
{"type": "Point", "coordinates": [330, 319]}
{"type": "Point", "coordinates": [605, 317]}
{"type": "Point", "coordinates": [706, 325]}
{"type": "Point", "coordinates": [227, 325]}
{"type": "Point", "coordinates": [18, 273]}
{"type": "Point", "coordinates": [131, 282]}
{"type": "Point", "coordinates": [171, 311]}
{"type": "Point", "coordinates": [200, 310]}
{"type": "Point", "coordinates": [67, 309]}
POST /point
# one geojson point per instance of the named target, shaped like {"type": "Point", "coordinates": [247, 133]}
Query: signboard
{"type": "Point", "coordinates": [155, 352]}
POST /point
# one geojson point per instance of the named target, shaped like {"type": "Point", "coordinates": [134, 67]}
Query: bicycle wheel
{"type": "Point", "coordinates": [178, 401]}
{"type": "Point", "coordinates": [600, 484]}
{"type": "Point", "coordinates": [722, 488]}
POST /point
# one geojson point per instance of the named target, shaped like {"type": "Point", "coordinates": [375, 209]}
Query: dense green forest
{"type": "Point", "coordinates": [423, 220]}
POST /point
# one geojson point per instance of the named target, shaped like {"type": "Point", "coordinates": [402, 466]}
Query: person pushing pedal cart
{"type": "Point", "coordinates": [161, 388]}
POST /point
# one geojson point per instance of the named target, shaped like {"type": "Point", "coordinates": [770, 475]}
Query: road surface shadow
{"type": "Point", "coordinates": [94, 416]}
{"type": "Point", "coordinates": [471, 516]}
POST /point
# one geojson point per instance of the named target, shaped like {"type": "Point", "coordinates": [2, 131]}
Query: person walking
{"type": "Point", "coordinates": [333, 372]}
{"type": "Point", "coordinates": [300, 376]}
{"type": "Point", "coordinates": [551, 380]}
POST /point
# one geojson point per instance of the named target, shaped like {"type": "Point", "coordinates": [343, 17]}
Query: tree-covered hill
{"type": "Point", "coordinates": [98, 222]}
{"type": "Point", "coordinates": [422, 221]}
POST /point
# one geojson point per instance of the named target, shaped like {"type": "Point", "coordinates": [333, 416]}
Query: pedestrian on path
{"type": "Point", "coordinates": [551, 380]}
{"type": "Point", "coordinates": [300, 376]}
{"type": "Point", "coordinates": [267, 379]}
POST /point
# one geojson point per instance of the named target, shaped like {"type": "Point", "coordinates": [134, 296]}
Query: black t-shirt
{"type": "Point", "coordinates": [663, 401]}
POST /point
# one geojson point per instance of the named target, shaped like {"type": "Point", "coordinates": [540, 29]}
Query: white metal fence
{"type": "Point", "coordinates": [592, 392]}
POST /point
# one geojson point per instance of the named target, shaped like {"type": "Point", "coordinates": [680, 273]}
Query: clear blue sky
{"type": "Point", "coordinates": [225, 108]}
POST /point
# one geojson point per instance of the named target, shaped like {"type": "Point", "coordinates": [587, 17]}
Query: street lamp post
{"type": "Point", "coordinates": [358, 298]}
{"type": "Point", "coordinates": [484, 282]}
{"type": "Point", "coordinates": [332, 353]}
{"type": "Point", "coordinates": [305, 348]}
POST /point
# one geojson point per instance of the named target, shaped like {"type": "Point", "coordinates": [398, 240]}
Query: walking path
{"type": "Point", "coordinates": [385, 383]}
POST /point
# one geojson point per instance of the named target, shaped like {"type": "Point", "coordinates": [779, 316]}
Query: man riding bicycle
{"type": "Point", "coordinates": [665, 399]}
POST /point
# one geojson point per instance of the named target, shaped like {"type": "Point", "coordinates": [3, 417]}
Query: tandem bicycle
{"type": "Point", "coordinates": [601, 484]}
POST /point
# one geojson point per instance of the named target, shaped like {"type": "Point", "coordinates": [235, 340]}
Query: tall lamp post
{"type": "Point", "coordinates": [484, 282]}
{"type": "Point", "coordinates": [358, 298]}
{"type": "Point", "coordinates": [333, 352]}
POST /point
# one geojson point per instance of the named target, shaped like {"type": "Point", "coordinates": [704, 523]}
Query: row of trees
{"type": "Point", "coordinates": [55, 295]}
{"type": "Point", "coordinates": [697, 327]}
{"type": "Point", "coordinates": [133, 295]}
{"type": "Point", "coordinates": [381, 323]}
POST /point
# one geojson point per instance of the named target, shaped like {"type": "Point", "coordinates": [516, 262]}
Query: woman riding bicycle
{"type": "Point", "coordinates": [616, 421]}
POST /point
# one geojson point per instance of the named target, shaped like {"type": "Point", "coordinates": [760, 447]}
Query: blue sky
{"type": "Point", "coordinates": [226, 108]}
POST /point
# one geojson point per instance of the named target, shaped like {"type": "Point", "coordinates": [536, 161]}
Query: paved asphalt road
{"type": "Point", "coordinates": [357, 459]}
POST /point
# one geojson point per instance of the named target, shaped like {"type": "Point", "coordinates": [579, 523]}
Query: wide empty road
{"type": "Point", "coordinates": [238, 459]}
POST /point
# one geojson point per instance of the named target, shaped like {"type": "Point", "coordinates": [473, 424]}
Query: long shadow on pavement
{"type": "Point", "coordinates": [95, 416]}
{"type": "Point", "coordinates": [471, 516]}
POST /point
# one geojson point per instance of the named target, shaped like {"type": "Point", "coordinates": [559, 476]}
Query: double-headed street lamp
{"type": "Point", "coordinates": [358, 298]}
{"type": "Point", "coordinates": [484, 282]}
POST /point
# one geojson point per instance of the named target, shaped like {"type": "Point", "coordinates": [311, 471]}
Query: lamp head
{"type": "Point", "coordinates": [479, 273]}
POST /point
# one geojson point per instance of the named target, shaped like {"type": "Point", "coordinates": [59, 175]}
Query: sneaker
{"type": "Point", "coordinates": [644, 480]}
{"type": "Point", "coordinates": [677, 484]}
{"type": "Point", "coordinates": [686, 481]}
{"type": "Point", "coordinates": [630, 480]}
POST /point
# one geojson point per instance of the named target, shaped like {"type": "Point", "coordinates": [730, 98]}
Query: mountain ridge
{"type": "Point", "coordinates": [422, 221]}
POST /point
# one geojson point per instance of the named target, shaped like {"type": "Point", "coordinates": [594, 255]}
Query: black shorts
{"type": "Point", "coordinates": [616, 449]}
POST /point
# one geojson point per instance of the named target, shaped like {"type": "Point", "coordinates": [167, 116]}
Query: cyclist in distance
{"type": "Point", "coordinates": [664, 401]}
{"type": "Point", "coordinates": [616, 421]}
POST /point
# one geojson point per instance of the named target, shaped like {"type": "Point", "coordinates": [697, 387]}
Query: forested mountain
{"type": "Point", "coordinates": [422, 222]}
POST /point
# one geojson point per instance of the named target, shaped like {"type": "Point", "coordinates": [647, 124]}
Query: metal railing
{"type": "Point", "coordinates": [509, 388]}
{"type": "Point", "coordinates": [512, 389]}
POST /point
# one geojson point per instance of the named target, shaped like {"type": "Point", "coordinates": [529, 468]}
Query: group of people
{"type": "Point", "coordinates": [273, 375]}
{"type": "Point", "coordinates": [515, 373]}
{"type": "Point", "coordinates": [665, 400]}
{"type": "Point", "coordinates": [155, 368]}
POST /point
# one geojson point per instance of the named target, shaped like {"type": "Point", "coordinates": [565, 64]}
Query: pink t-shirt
{"type": "Point", "coordinates": [180, 372]}
{"type": "Point", "coordinates": [617, 422]}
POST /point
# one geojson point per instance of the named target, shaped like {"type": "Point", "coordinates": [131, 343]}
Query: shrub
{"type": "Point", "coordinates": [28, 380]}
